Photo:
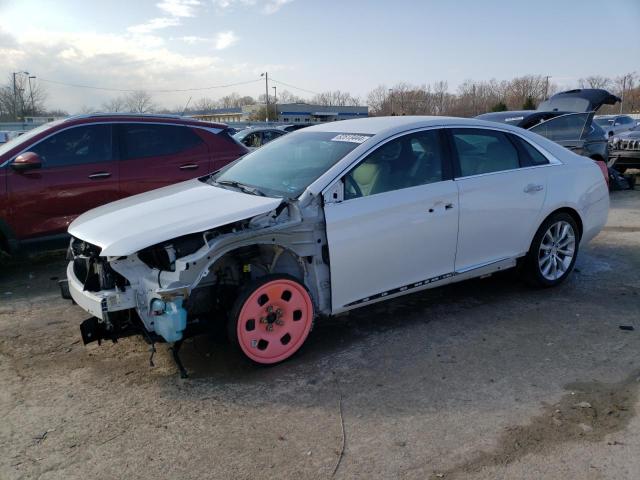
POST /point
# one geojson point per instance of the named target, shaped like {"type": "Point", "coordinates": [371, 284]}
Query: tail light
{"type": "Point", "coordinates": [604, 170]}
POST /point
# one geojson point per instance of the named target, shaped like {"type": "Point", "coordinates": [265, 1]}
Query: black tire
{"type": "Point", "coordinates": [532, 270]}
{"type": "Point", "coordinates": [244, 296]}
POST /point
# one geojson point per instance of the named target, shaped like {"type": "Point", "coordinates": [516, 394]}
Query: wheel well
{"type": "Point", "coordinates": [574, 214]}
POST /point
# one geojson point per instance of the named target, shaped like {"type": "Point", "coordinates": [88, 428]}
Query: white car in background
{"type": "Point", "coordinates": [328, 219]}
{"type": "Point", "coordinates": [612, 124]}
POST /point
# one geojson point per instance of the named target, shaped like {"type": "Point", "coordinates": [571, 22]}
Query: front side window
{"type": "Point", "coordinates": [564, 127]}
{"type": "Point", "coordinates": [267, 136]}
{"type": "Point", "coordinates": [484, 151]}
{"type": "Point", "coordinates": [287, 167]}
{"type": "Point", "coordinates": [148, 140]}
{"type": "Point", "coordinates": [75, 146]}
{"type": "Point", "coordinates": [408, 161]}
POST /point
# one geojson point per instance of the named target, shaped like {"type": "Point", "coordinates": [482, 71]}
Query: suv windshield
{"type": "Point", "coordinates": [287, 167]}
{"type": "Point", "coordinates": [25, 137]}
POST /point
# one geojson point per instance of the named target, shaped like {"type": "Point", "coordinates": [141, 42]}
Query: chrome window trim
{"type": "Point", "coordinates": [552, 160]}
{"type": "Point", "coordinates": [213, 130]}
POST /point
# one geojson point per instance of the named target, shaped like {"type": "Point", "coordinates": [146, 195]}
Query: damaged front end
{"type": "Point", "coordinates": [185, 286]}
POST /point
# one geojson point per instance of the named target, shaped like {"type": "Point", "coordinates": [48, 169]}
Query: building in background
{"type": "Point", "coordinates": [288, 113]}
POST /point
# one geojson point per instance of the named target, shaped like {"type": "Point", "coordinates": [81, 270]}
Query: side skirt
{"type": "Point", "coordinates": [453, 277]}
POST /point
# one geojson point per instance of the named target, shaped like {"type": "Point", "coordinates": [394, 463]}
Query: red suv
{"type": "Point", "coordinates": [53, 173]}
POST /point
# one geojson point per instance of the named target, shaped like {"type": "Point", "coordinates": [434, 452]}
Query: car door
{"type": "Point", "coordinates": [566, 130]}
{"type": "Point", "coordinates": [395, 227]}
{"type": "Point", "coordinates": [78, 173]}
{"type": "Point", "coordinates": [501, 190]}
{"type": "Point", "coordinates": [154, 155]}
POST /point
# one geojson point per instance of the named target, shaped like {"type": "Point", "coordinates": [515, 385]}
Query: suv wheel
{"type": "Point", "coordinates": [271, 318]}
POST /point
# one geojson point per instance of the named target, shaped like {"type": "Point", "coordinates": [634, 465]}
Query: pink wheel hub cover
{"type": "Point", "coordinates": [275, 321]}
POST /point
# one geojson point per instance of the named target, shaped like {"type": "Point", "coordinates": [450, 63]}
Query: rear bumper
{"type": "Point", "coordinates": [97, 303]}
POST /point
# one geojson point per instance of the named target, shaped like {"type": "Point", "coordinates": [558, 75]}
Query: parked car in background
{"type": "Point", "coordinates": [612, 124]}
{"type": "Point", "coordinates": [331, 218]}
{"type": "Point", "coordinates": [7, 135]}
{"type": "Point", "coordinates": [255, 137]}
{"type": "Point", "coordinates": [53, 173]}
{"type": "Point", "coordinates": [624, 150]}
{"type": "Point", "coordinates": [567, 119]}
{"type": "Point", "coordinates": [292, 128]}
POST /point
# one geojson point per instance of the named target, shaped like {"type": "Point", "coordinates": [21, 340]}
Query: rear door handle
{"type": "Point", "coordinates": [97, 175]}
{"type": "Point", "coordinates": [188, 166]}
{"type": "Point", "coordinates": [532, 188]}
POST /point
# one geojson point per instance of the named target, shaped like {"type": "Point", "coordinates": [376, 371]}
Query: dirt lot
{"type": "Point", "coordinates": [486, 379]}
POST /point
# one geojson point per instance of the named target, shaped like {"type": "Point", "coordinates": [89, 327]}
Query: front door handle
{"type": "Point", "coordinates": [97, 175]}
{"type": "Point", "coordinates": [532, 188]}
{"type": "Point", "coordinates": [188, 166]}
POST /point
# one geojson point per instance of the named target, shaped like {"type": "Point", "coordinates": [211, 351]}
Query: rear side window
{"type": "Point", "coordinates": [484, 151]}
{"type": "Point", "coordinates": [75, 146]}
{"type": "Point", "coordinates": [148, 140]}
{"type": "Point", "coordinates": [535, 157]}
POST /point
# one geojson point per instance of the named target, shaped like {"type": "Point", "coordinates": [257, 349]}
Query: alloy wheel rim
{"type": "Point", "coordinates": [557, 250]}
{"type": "Point", "coordinates": [275, 321]}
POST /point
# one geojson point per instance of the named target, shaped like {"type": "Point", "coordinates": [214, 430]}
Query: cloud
{"type": "Point", "coordinates": [225, 39]}
{"type": "Point", "coordinates": [176, 9]}
{"type": "Point", "coordinates": [267, 7]}
{"type": "Point", "coordinates": [179, 8]}
{"type": "Point", "coordinates": [154, 24]}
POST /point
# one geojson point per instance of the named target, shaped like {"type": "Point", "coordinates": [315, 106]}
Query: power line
{"type": "Point", "coordinates": [126, 90]}
{"type": "Point", "coordinates": [293, 86]}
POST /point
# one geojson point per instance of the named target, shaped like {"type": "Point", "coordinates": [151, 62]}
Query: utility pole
{"type": "Point", "coordinates": [15, 98]}
{"type": "Point", "coordinates": [15, 95]}
{"type": "Point", "coordinates": [33, 107]}
{"type": "Point", "coordinates": [546, 87]}
{"type": "Point", "coordinates": [266, 91]}
{"type": "Point", "coordinates": [275, 101]}
{"type": "Point", "coordinates": [624, 84]}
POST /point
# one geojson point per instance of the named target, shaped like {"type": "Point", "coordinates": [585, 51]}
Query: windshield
{"type": "Point", "coordinates": [287, 167]}
{"type": "Point", "coordinates": [24, 138]}
{"type": "Point", "coordinates": [603, 122]}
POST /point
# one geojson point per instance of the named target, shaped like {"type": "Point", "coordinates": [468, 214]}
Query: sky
{"type": "Point", "coordinates": [314, 45]}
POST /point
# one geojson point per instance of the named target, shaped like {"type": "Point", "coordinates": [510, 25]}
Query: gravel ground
{"type": "Point", "coordinates": [485, 379]}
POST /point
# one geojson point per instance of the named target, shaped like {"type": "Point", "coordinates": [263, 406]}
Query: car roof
{"type": "Point", "coordinates": [141, 117]}
{"type": "Point", "coordinates": [389, 125]}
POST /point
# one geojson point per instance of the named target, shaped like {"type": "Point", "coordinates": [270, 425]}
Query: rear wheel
{"type": "Point", "coordinates": [271, 319]}
{"type": "Point", "coordinates": [553, 251]}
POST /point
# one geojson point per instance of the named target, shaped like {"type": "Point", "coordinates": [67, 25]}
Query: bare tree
{"type": "Point", "coordinates": [115, 105]}
{"type": "Point", "coordinates": [595, 81]}
{"type": "Point", "coordinates": [139, 102]}
{"type": "Point", "coordinates": [335, 98]}
{"type": "Point", "coordinates": [27, 99]}
{"type": "Point", "coordinates": [286, 96]}
{"type": "Point", "coordinates": [204, 104]}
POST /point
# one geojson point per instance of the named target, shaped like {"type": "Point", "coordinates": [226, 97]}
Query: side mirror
{"type": "Point", "coordinates": [27, 161]}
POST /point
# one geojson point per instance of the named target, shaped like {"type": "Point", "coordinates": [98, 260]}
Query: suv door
{"type": "Point", "coordinates": [502, 189]}
{"type": "Point", "coordinates": [397, 224]}
{"type": "Point", "coordinates": [154, 155]}
{"type": "Point", "coordinates": [78, 173]}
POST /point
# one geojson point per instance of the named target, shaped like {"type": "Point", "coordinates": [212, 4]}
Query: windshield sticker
{"type": "Point", "coordinates": [348, 137]}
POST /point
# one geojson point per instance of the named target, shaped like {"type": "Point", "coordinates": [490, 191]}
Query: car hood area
{"type": "Point", "coordinates": [126, 226]}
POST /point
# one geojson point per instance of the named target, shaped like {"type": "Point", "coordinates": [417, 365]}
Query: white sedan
{"type": "Point", "coordinates": [331, 218]}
